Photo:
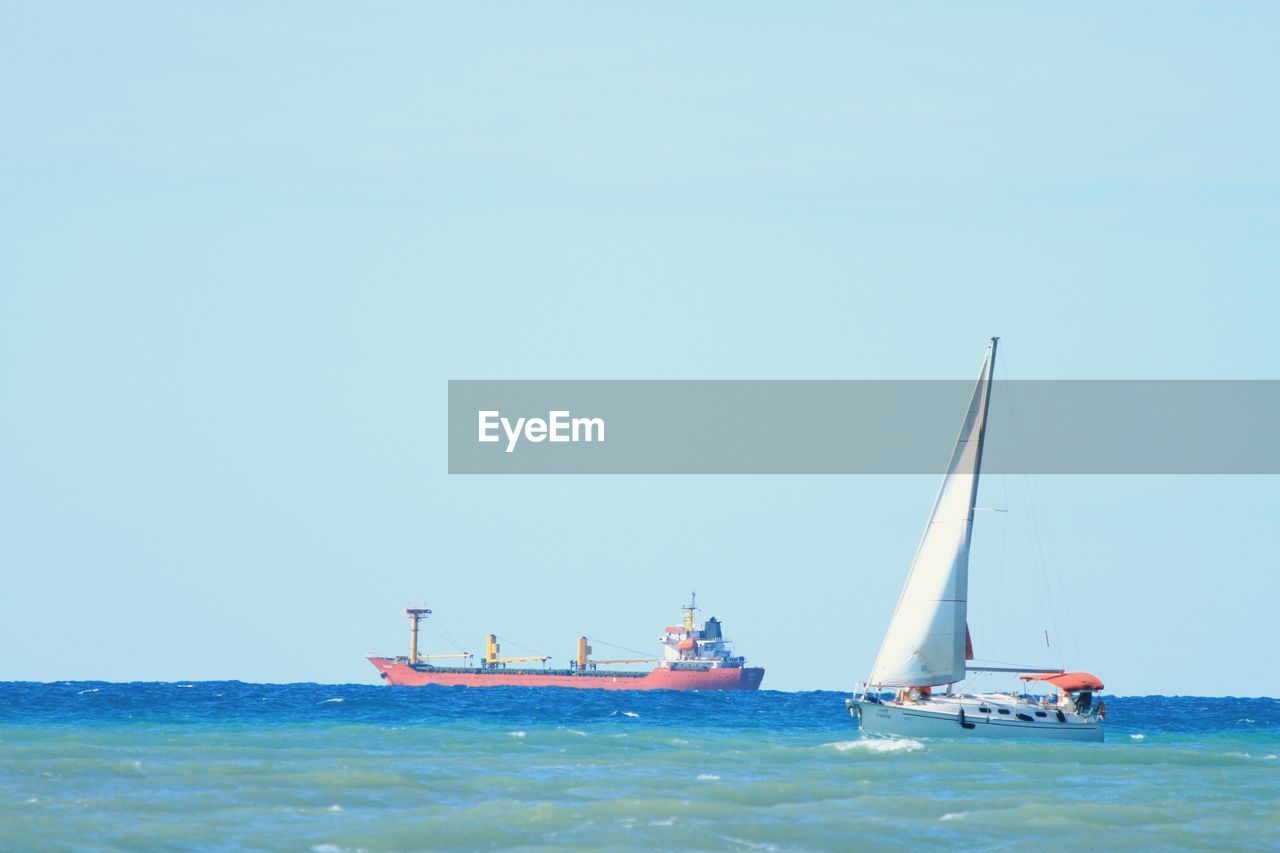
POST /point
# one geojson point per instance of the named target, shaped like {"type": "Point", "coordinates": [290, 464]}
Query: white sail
{"type": "Point", "coordinates": [925, 643]}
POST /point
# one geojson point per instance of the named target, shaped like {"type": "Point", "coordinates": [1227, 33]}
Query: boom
{"type": "Point", "coordinates": [637, 660]}
{"type": "Point", "coordinates": [427, 658]}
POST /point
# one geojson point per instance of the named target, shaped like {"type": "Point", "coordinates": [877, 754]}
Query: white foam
{"type": "Point", "coordinates": [630, 714]}
{"type": "Point", "coordinates": [707, 777]}
{"type": "Point", "coordinates": [516, 734]}
{"type": "Point", "coordinates": [90, 690]}
{"type": "Point", "coordinates": [334, 699]}
{"type": "Point", "coordinates": [954, 816]}
{"type": "Point", "coordinates": [335, 808]}
{"type": "Point", "coordinates": [667, 822]}
{"type": "Point", "coordinates": [326, 848]}
{"type": "Point", "coordinates": [878, 745]}
{"type": "Point", "coordinates": [750, 845]}
{"type": "Point", "coordinates": [1137, 737]}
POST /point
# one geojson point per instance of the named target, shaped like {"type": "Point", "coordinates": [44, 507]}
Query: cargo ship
{"type": "Point", "coordinates": [694, 657]}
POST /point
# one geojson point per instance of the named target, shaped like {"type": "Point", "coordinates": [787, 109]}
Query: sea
{"type": "Point", "coordinates": [328, 768]}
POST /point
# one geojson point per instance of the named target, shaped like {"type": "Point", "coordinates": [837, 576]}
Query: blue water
{"type": "Point", "coordinates": [347, 767]}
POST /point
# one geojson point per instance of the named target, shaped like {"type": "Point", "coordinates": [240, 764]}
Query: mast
{"type": "Point", "coordinates": [990, 369]}
{"type": "Point", "coordinates": [689, 609]}
{"type": "Point", "coordinates": [925, 643]}
{"type": "Point", "coordinates": [416, 615]}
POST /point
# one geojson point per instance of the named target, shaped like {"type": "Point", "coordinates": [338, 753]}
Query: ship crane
{"type": "Point", "coordinates": [416, 615]}
{"type": "Point", "coordinates": [584, 661]}
{"type": "Point", "coordinates": [491, 658]}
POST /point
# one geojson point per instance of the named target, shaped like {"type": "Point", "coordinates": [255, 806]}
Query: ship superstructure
{"type": "Point", "coordinates": [688, 646]}
{"type": "Point", "coordinates": [694, 657]}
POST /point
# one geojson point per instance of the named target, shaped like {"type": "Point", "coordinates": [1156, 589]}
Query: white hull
{"type": "Point", "coordinates": [941, 718]}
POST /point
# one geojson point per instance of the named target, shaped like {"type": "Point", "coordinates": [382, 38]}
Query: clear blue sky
{"type": "Point", "coordinates": [244, 245]}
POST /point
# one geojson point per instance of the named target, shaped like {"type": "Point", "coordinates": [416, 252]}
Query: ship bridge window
{"type": "Point", "coordinates": [984, 710]}
{"type": "Point", "coordinates": [1041, 714]}
{"type": "Point", "coordinates": [1004, 710]}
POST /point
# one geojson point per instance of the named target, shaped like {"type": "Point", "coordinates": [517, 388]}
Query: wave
{"type": "Point", "coordinates": [561, 769]}
{"type": "Point", "coordinates": [878, 745]}
{"type": "Point", "coordinates": [820, 717]}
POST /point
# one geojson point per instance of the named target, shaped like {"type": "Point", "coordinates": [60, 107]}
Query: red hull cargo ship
{"type": "Point", "coordinates": [694, 658]}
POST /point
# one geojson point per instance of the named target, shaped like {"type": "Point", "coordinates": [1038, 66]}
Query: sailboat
{"type": "Point", "coordinates": [927, 649]}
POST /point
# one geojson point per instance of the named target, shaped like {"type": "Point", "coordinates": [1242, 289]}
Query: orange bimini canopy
{"type": "Point", "coordinates": [1066, 680]}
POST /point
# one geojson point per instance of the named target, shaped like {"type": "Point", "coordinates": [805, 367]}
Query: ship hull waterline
{"type": "Point", "coordinates": [401, 673]}
{"type": "Point", "coordinates": [921, 720]}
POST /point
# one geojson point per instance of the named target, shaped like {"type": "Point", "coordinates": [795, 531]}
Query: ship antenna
{"type": "Point", "coordinates": [689, 610]}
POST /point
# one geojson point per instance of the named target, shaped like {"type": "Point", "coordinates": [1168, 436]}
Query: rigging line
{"type": "Point", "coordinates": [1053, 579]}
{"type": "Point", "coordinates": [1058, 578]}
{"type": "Point", "coordinates": [1047, 610]}
{"type": "Point", "coordinates": [1053, 575]}
{"type": "Point", "coordinates": [445, 638]}
{"type": "Point", "coordinates": [439, 626]}
{"type": "Point", "coordinates": [1043, 588]}
{"type": "Point", "coordinates": [518, 646]}
{"type": "Point", "coordinates": [996, 634]}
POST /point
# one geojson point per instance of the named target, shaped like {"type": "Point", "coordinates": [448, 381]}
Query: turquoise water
{"type": "Point", "coordinates": [347, 767]}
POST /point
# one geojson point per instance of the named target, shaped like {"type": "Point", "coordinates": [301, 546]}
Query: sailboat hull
{"type": "Point", "coordinates": [942, 718]}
